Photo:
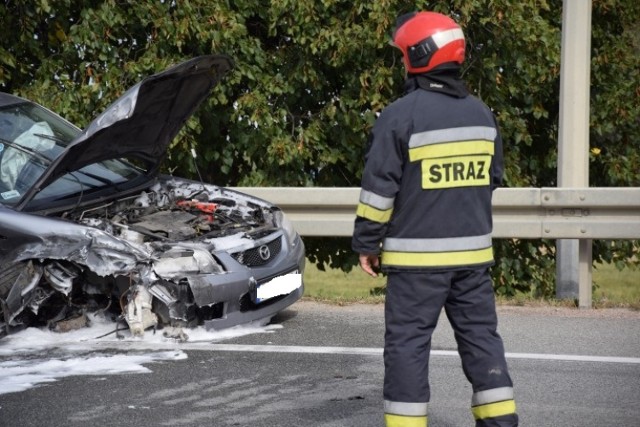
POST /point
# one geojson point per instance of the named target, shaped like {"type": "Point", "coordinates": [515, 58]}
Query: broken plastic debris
{"type": "Point", "coordinates": [138, 312]}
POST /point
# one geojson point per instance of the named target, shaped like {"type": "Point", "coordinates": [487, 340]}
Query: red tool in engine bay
{"type": "Point", "coordinates": [197, 205]}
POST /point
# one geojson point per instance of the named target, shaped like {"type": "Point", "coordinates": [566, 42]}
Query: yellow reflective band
{"type": "Point", "coordinates": [452, 172]}
{"type": "Point", "coordinates": [392, 420]}
{"type": "Point", "coordinates": [373, 214]}
{"type": "Point", "coordinates": [462, 148]}
{"type": "Point", "coordinates": [437, 259]}
{"type": "Point", "coordinates": [493, 410]}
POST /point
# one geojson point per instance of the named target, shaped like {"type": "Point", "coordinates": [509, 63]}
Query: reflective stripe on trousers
{"type": "Point", "coordinates": [412, 307]}
{"type": "Point", "coordinates": [488, 406]}
{"type": "Point", "coordinates": [405, 414]}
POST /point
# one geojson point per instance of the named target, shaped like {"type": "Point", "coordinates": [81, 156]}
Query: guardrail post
{"type": "Point", "coordinates": [573, 257]}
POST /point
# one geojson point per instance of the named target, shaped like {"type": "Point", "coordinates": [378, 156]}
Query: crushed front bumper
{"type": "Point", "coordinates": [233, 293]}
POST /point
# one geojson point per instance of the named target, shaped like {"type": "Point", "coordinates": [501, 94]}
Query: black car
{"type": "Point", "coordinates": [89, 224]}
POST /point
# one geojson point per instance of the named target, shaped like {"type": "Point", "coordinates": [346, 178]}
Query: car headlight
{"type": "Point", "coordinates": [283, 222]}
{"type": "Point", "coordinates": [178, 262]}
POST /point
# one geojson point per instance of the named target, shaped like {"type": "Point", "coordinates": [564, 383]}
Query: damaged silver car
{"type": "Point", "coordinates": [88, 224]}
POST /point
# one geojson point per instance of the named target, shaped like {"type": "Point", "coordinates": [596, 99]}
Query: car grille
{"type": "Point", "coordinates": [260, 255]}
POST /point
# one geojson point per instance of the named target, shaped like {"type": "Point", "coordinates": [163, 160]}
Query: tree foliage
{"type": "Point", "coordinates": [310, 77]}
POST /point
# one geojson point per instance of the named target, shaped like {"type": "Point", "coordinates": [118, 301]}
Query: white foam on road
{"type": "Point", "coordinates": [35, 356]}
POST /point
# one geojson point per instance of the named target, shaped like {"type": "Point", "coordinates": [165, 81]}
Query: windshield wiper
{"type": "Point", "coordinates": [102, 179]}
{"type": "Point", "coordinates": [27, 150]}
{"type": "Point", "coordinates": [50, 137]}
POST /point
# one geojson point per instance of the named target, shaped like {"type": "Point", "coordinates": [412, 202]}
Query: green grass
{"type": "Point", "coordinates": [334, 285]}
{"type": "Point", "coordinates": [613, 288]}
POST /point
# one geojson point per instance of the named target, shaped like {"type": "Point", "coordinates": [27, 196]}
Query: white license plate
{"type": "Point", "coordinates": [281, 285]}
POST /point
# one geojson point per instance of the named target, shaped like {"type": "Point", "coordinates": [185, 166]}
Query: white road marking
{"type": "Point", "coordinates": [574, 358]}
{"type": "Point", "coordinates": [357, 351]}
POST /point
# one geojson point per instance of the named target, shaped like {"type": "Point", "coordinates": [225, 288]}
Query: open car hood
{"type": "Point", "coordinates": [142, 123]}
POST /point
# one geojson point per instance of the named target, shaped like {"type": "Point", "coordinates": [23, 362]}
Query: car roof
{"type": "Point", "coordinates": [8, 99]}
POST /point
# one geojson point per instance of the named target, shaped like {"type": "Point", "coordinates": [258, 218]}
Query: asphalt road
{"type": "Point", "coordinates": [324, 368]}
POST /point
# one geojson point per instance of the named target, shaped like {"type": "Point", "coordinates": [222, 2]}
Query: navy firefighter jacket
{"type": "Point", "coordinates": [433, 161]}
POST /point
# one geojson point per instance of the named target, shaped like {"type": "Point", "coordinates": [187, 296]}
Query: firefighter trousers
{"type": "Point", "coordinates": [413, 304]}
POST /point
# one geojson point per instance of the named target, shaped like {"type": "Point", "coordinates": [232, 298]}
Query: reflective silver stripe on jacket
{"type": "Point", "coordinates": [493, 395]}
{"type": "Point", "coordinates": [411, 409]}
{"type": "Point", "coordinates": [374, 200]}
{"type": "Point", "coordinates": [450, 244]}
{"type": "Point", "coordinates": [468, 133]}
{"type": "Point", "coordinates": [445, 37]}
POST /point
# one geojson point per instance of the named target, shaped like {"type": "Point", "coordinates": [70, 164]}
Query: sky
{"type": "Point", "coordinates": [36, 355]}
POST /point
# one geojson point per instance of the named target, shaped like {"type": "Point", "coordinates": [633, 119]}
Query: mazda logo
{"type": "Point", "coordinates": [264, 252]}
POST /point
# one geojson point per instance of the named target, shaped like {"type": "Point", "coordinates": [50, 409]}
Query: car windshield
{"type": "Point", "coordinates": [31, 137]}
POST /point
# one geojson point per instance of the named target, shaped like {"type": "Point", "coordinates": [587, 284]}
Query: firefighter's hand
{"type": "Point", "coordinates": [370, 264]}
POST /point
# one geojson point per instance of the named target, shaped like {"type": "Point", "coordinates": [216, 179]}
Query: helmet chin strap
{"type": "Point", "coordinates": [420, 53]}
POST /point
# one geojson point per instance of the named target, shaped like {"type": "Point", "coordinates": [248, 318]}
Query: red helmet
{"type": "Point", "coordinates": [428, 39]}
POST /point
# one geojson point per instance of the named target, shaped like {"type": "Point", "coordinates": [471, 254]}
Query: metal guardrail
{"type": "Point", "coordinates": [524, 213]}
{"type": "Point", "coordinates": [518, 213]}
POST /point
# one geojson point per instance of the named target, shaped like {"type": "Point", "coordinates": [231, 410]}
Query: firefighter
{"type": "Point", "coordinates": [424, 217]}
